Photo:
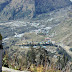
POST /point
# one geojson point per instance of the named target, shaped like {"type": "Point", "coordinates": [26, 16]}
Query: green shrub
{"type": "Point", "coordinates": [70, 49]}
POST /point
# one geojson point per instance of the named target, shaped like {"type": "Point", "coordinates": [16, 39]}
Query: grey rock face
{"type": "Point", "coordinates": [19, 9]}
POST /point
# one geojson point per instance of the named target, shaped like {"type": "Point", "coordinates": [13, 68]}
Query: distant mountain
{"type": "Point", "coordinates": [17, 9]}
{"type": "Point", "coordinates": [43, 6]}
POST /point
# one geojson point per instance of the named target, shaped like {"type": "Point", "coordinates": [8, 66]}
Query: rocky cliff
{"type": "Point", "coordinates": [17, 9]}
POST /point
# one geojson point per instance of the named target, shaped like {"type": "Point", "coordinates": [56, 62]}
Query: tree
{"type": "Point", "coordinates": [5, 59]}
{"type": "Point", "coordinates": [59, 59]}
{"type": "Point", "coordinates": [0, 37]}
{"type": "Point", "coordinates": [31, 55]}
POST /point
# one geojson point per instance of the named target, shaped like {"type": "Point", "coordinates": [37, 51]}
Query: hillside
{"type": "Point", "coordinates": [62, 33]}
{"type": "Point", "coordinates": [44, 6]}
{"type": "Point", "coordinates": [42, 23]}
{"type": "Point", "coordinates": [14, 9]}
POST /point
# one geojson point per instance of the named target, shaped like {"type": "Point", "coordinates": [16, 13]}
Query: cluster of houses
{"type": "Point", "coordinates": [42, 30]}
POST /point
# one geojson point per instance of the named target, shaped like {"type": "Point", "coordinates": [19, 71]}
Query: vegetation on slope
{"type": "Point", "coordinates": [35, 60]}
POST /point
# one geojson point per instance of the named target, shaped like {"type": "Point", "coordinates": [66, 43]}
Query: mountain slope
{"type": "Point", "coordinates": [43, 6]}
{"type": "Point", "coordinates": [19, 9]}
{"type": "Point", "coordinates": [14, 9]}
{"type": "Point", "coordinates": [63, 32]}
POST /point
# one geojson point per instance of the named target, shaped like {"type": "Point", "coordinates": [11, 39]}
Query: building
{"type": "Point", "coordinates": [48, 39]}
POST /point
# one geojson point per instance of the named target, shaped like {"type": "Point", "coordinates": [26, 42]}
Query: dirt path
{"type": "Point", "coordinates": [11, 70]}
{"type": "Point", "coordinates": [66, 37]}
